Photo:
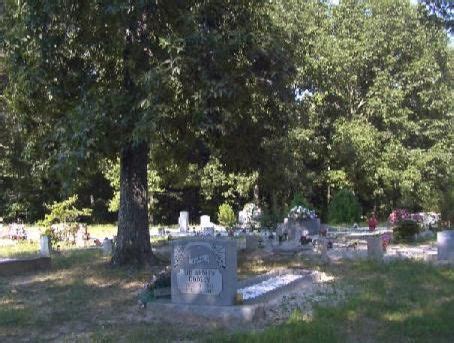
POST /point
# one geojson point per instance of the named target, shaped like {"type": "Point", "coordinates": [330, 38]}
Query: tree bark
{"type": "Point", "coordinates": [133, 237]}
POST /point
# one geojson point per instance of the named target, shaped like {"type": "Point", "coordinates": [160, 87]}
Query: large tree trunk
{"type": "Point", "coordinates": [133, 238]}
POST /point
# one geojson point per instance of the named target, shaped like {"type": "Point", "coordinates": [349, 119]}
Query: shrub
{"type": "Point", "coordinates": [226, 216]}
{"type": "Point", "coordinates": [406, 230]}
{"type": "Point", "coordinates": [66, 214]}
{"type": "Point", "coordinates": [344, 208]}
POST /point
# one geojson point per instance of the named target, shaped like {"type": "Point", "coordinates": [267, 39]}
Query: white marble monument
{"type": "Point", "coordinates": [183, 221]}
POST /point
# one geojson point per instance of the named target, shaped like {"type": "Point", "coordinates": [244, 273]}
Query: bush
{"type": "Point", "coordinates": [226, 216]}
{"type": "Point", "coordinates": [344, 208]}
{"type": "Point", "coordinates": [65, 214]}
{"type": "Point", "coordinates": [406, 230]}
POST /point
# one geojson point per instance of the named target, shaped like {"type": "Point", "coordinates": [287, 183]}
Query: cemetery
{"type": "Point", "coordinates": [213, 282]}
{"type": "Point", "coordinates": [227, 171]}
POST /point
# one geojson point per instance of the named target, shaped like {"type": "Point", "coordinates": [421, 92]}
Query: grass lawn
{"type": "Point", "coordinates": [19, 249]}
{"type": "Point", "coordinates": [83, 299]}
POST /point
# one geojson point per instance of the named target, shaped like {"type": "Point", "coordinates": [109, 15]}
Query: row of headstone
{"type": "Point", "coordinates": [183, 222]}
{"type": "Point", "coordinates": [204, 271]}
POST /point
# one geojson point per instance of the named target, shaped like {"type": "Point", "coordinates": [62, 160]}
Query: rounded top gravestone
{"type": "Point", "coordinates": [204, 271]}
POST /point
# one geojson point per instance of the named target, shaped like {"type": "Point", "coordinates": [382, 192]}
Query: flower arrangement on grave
{"type": "Point", "coordinates": [405, 224]}
{"type": "Point", "coordinates": [157, 287]}
{"type": "Point", "coordinates": [398, 215]}
{"type": "Point", "coordinates": [301, 212]}
{"type": "Point", "coordinates": [402, 214]}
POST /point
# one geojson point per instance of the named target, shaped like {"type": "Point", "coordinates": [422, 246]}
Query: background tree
{"type": "Point", "coordinates": [373, 101]}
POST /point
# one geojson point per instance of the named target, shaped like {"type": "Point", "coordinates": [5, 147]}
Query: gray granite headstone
{"type": "Point", "coordinates": [44, 246]}
{"type": "Point", "coordinates": [375, 247]}
{"type": "Point", "coordinates": [107, 246]}
{"type": "Point", "coordinates": [204, 271]}
{"type": "Point", "coordinates": [252, 242]}
{"type": "Point", "coordinates": [445, 245]}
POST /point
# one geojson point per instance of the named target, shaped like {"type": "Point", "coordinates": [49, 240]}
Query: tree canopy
{"type": "Point", "coordinates": [174, 105]}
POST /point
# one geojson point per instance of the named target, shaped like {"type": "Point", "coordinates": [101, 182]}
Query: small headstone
{"type": "Point", "coordinates": [431, 256]}
{"type": "Point", "coordinates": [445, 245]}
{"type": "Point", "coordinates": [375, 247]}
{"type": "Point", "coordinates": [252, 242]}
{"type": "Point", "coordinates": [183, 221]}
{"type": "Point", "coordinates": [241, 242]}
{"type": "Point", "coordinates": [44, 246]}
{"type": "Point", "coordinates": [107, 246]}
{"type": "Point", "coordinates": [323, 246]}
{"type": "Point", "coordinates": [205, 221]}
{"type": "Point", "coordinates": [204, 271]}
{"type": "Point", "coordinates": [80, 238]}
{"type": "Point", "coordinates": [242, 217]}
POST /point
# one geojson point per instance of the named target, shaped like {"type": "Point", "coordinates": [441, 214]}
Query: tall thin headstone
{"type": "Point", "coordinates": [44, 244]}
{"type": "Point", "coordinates": [183, 221]}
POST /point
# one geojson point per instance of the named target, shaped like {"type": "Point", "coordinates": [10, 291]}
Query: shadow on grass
{"type": "Point", "coordinates": [80, 288]}
{"type": "Point", "coordinates": [82, 295]}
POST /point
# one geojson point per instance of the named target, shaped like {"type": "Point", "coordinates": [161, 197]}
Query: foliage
{"type": "Point", "coordinates": [229, 186]}
{"type": "Point", "coordinates": [441, 10]}
{"type": "Point", "coordinates": [299, 200]}
{"type": "Point", "coordinates": [374, 108]}
{"type": "Point", "coordinates": [66, 214]}
{"type": "Point", "coordinates": [344, 208]}
{"type": "Point", "coordinates": [406, 230]}
{"type": "Point", "coordinates": [294, 96]}
{"type": "Point", "coordinates": [100, 80]}
{"type": "Point", "coordinates": [111, 171]}
{"type": "Point", "coordinates": [447, 201]}
{"type": "Point", "coordinates": [269, 219]}
{"type": "Point", "coordinates": [226, 215]}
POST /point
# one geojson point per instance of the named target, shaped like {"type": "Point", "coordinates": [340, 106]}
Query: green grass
{"type": "Point", "coordinates": [102, 230]}
{"type": "Point", "coordinates": [397, 302]}
{"type": "Point", "coordinates": [83, 299]}
{"type": "Point", "coordinates": [19, 249]}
